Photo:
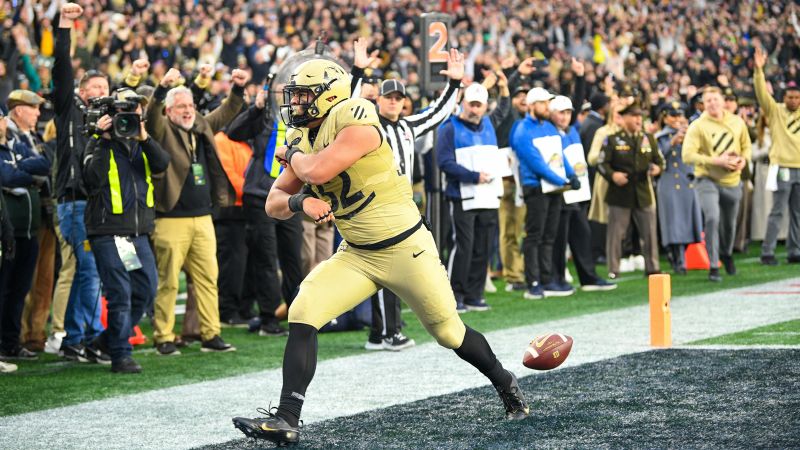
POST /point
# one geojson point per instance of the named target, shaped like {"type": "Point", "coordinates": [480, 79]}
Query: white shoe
{"type": "Point", "coordinates": [638, 263]}
{"type": "Point", "coordinates": [374, 345]}
{"type": "Point", "coordinates": [625, 265]}
{"type": "Point", "coordinates": [398, 342]}
{"type": "Point", "coordinates": [53, 344]}
{"type": "Point", "coordinates": [490, 287]}
{"type": "Point", "coordinates": [568, 276]}
{"type": "Point", "coordinates": [7, 367]}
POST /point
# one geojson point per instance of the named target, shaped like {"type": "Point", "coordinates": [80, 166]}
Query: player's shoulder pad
{"type": "Point", "coordinates": [355, 111]}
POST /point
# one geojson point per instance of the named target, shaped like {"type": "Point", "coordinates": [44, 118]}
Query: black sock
{"type": "Point", "coordinates": [299, 364]}
{"type": "Point", "coordinates": [476, 351]}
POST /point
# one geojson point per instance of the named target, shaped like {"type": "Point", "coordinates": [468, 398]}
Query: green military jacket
{"type": "Point", "coordinates": [631, 154]}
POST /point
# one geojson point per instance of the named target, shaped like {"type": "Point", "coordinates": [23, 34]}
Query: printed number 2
{"type": "Point", "coordinates": [347, 200]}
{"type": "Point", "coordinates": [437, 52]}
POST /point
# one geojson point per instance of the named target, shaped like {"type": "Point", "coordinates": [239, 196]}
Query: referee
{"type": "Point", "coordinates": [401, 132]}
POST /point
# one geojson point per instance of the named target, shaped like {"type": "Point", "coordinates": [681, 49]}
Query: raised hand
{"type": "Point", "coordinates": [360, 58]}
{"type": "Point", "coordinates": [206, 70]}
{"type": "Point", "coordinates": [577, 67]}
{"type": "Point", "coordinates": [239, 77]}
{"type": "Point", "coordinates": [760, 57]}
{"type": "Point", "coordinates": [455, 65]}
{"type": "Point", "coordinates": [526, 66]}
{"type": "Point", "coordinates": [489, 79]}
{"type": "Point", "coordinates": [140, 67]}
{"type": "Point", "coordinates": [502, 80]}
{"type": "Point", "coordinates": [261, 99]}
{"type": "Point", "coordinates": [69, 12]}
{"type": "Point", "coordinates": [170, 78]}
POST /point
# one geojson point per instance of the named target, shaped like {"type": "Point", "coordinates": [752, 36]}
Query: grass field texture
{"type": "Point", "coordinates": [51, 382]}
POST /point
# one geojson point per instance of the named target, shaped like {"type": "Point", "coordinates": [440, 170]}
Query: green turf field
{"type": "Point", "coordinates": [50, 382]}
{"type": "Point", "coordinates": [784, 333]}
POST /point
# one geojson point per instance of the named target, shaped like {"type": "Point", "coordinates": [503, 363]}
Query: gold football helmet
{"type": "Point", "coordinates": [313, 89]}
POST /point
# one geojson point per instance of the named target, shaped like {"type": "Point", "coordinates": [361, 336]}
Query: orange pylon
{"type": "Point", "coordinates": [138, 337]}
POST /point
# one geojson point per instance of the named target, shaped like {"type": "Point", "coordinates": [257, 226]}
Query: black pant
{"type": "Point", "coordinates": [386, 320]}
{"type": "Point", "coordinates": [232, 255]}
{"type": "Point", "coordinates": [574, 229]}
{"type": "Point", "coordinates": [598, 239]}
{"type": "Point", "coordinates": [16, 276]}
{"type": "Point", "coordinates": [469, 259]}
{"type": "Point", "coordinates": [290, 245]}
{"type": "Point", "coordinates": [541, 227]}
{"type": "Point", "coordinates": [270, 241]}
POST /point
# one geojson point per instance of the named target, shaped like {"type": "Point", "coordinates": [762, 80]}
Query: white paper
{"type": "Point", "coordinates": [576, 159]}
{"type": "Point", "coordinates": [551, 150]}
{"type": "Point", "coordinates": [488, 159]}
{"type": "Point", "coordinates": [772, 178]}
{"type": "Point", "coordinates": [519, 200]}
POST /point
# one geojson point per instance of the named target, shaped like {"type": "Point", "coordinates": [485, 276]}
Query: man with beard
{"type": "Point", "coordinates": [185, 193]}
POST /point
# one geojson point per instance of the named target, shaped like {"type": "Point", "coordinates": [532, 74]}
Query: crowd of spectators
{"type": "Point", "coordinates": [651, 54]}
{"type": "Point", "coordinates": [660, 49]}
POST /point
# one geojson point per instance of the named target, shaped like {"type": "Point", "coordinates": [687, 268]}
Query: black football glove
{"type": "Point", "coordinates": [574, 183]}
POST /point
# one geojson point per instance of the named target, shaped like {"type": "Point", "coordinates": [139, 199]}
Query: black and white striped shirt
{"type": "Point", "coordinates": [402, 133]}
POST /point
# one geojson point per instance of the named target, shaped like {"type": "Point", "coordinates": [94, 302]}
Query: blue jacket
{"type": "Point", "coordinates": [532, 167]}
{"type": "Point", "coordinates": [455, 174]}
{"type": "Point", "coordinates": [572, 137]}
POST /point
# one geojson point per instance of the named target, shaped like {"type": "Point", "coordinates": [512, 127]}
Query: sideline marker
{"type": "Point", "coordinates": [660, 316]}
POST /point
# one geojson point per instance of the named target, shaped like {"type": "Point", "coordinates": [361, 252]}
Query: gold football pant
{"type": "Point", "coordinates": [411, 269]}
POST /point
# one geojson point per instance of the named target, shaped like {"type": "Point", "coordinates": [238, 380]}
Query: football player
{"type": "Point", "coordinates": [339, 167]}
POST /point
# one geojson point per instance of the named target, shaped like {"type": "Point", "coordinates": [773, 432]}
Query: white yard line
{"type": "Point", "coordinates": [200, 413]}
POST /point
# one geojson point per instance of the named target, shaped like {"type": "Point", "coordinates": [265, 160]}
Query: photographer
{"type": "Point", "coordinates": [82, 318]}
{"type": "Point", "coordinates": [120, 215]}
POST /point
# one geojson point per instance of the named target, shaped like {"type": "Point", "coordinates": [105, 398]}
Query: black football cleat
{"type": "Point", "coordinates": [270, 427]}
{"type": "Point", "coordinates": [516, 408]}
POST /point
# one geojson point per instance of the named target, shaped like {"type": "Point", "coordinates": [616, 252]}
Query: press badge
{"type": "Point", "coordinates": [199, 174]}
{"type": "Point", "coordinates": [127, 253]}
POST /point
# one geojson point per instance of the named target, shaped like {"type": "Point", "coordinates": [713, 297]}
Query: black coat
{"type": "Point", "coordinates": [136, 217]}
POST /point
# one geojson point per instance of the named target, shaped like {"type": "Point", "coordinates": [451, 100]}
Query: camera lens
{"type": "Point", "coordinates": [126, 125]}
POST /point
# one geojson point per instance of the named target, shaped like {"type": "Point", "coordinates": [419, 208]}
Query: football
{"type": "Point", "coordinates": [547, 351]}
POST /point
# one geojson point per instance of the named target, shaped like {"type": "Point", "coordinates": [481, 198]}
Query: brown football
{"type": "Point", "coordinates": [547, 351]}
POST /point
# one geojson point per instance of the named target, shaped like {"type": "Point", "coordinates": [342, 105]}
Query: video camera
{"type": "Point", "coordinates": [125, 121]}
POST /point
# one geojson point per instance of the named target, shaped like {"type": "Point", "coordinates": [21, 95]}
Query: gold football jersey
{"type": "Point", "coordinates": [371, 200]}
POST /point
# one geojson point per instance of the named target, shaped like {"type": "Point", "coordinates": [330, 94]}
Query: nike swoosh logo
{"type": "Point", "coordinates": [417, 254]}
{"type": "Point", "coordinates": [541, 342]}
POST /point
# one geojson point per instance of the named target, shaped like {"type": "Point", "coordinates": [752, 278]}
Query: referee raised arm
{"type": "Point", "coordinates": [401, 132]}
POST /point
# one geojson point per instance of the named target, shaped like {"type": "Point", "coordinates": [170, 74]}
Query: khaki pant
{"type": "Point", "coordinates": [512, 226]}
{"type": "Point", "coordinates": [618, 220]}
{"type": "Point", "coordinates": [317, 244]}
{"type": "Point", "coordinates": [37, 302]}
{"type": "Point", "coordinates": [188, 243]}
{"type": "Point", "coordinates": [63, 285]}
